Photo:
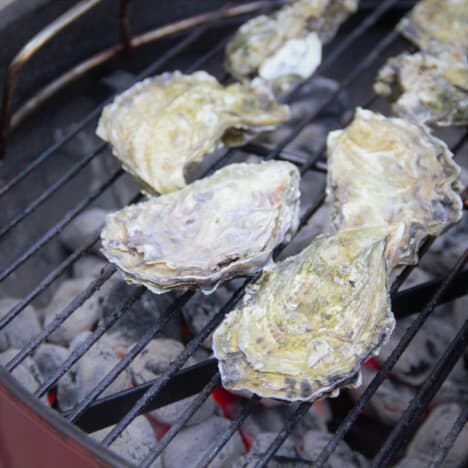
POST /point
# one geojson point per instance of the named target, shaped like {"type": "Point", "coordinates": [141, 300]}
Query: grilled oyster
{"type": "Point", "coordinates": [427, 89]}
{"type": "Point", "coordinates": [304, 329]}
{"type": "Point", "coordinates": [216, 228]}
{"type": "Point", "coordinates": [160, 125]}
{"type": "Point", "coordinates": [288, 42]}
{"type": "Point", "coordinates": [391, 172]}
{"type": "Point", "coordinates": [436, 25]}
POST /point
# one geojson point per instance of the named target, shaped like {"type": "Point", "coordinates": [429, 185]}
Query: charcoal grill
{"type": "Point", "coordinates": [64, 434]}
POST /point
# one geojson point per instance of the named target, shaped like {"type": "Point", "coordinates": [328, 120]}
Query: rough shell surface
{"type": "Point", "coordinates": [427, 89]}
{"type": "Point", "coordinates": [390, 172]}
{"type": "Point", "coordinates": [162, 124]}
{"type": "Point", "coordinates": [219, 227]}
{"type": "Point", "coordinates": [261, 38]}
{"type": "Point", "coordinates": [436, 25]}
{"type": "Point", "coordinates": [304, 329]}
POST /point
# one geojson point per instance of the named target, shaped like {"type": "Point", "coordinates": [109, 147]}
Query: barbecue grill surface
{"type": "Point", "coordinates": [352, 59]}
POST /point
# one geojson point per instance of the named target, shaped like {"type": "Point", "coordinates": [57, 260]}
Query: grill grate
{"type": "Point", "coordinates": [92, 413]}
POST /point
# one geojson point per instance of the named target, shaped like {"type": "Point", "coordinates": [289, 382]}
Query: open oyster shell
{"type": "Point", "coordinates": [436, 25]}
{"type": "Point", "coordinates": [391, 172]}
{"type": "Point", "coordinates": [216, 228]}
{"type": "Point", "coordinates": [288, 42]}
{"type": "Point", "coordinates": [304, 329]}
{"type": "Point", "coordinates": [162, 124]}
{"type": "Point", "coordinates": [427, 89]}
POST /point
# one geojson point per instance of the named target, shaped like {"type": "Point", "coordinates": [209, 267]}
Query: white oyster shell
{"type": "Point", "coordinates": [162, 124]}
{"type": "Point", "coordinates": [266, 41]}
{"type": "Point", "coordinates": [427, 89]}
{"type": "Point", "coordinates": [304, 329]}
{"type": "Point", "coordinates": [216, 228]}
{"type": "Point", "coordinates": [436, 25]}
{"type": "Point", "coordinates": [394, 173]}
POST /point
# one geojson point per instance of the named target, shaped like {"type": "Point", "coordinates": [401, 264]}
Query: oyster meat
{"type": "Point", "coordinates": [436, 25]}
{"type": "Point", "coordinates": [216, 228]}
{"type": "Point", "coordinates": [287, 43]}
{"type": "Point", "coordinates": [304, 329]}
{"type": "Point", "coordinates": [427, 89]}
{"type": "Point", "coordinates": [162, 124]}
{"type": "Point", "coordinates": [394, 173]}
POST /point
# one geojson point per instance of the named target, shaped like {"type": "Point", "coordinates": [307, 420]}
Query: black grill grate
{"type": "Point", "coordinates": [92, 413]}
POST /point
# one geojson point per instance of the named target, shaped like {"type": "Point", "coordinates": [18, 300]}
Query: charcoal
{"type": "Point", "coordinates": [49, 358]}
{"type": "Point", "coordinates": [82, 319]}
{"type": "Point", "coordinates": [135, 443]}
{"type": "Point", "coordinates": [263, 420]}
{"type": "Point", "coordinates": [22, 329]}
{"type": "Point", "coordinates": [89, 371]}
{"type": "Point", "coordinates": [389, 401]}
{"type": "Point", "coordinates": [142, 315]}
{"type": "Point", "coordinates": [260, 446]}
{"type": "Point", "coordinates": [88, 266]}
{"type": "Point", "coordinates": [432, 432]}
{"type": "Point", "coordinates": [189, 445]}
{"type": "Point", "coordinates": [83, 229]}
{"type": "Point", "coordinates": [416, 277]}
{"type": "Point", "coordinates": [314, 441]}
{"type": "Point", "coordinates": [150, 363]}
{"type": "Point", "coordinates": [27, 374]}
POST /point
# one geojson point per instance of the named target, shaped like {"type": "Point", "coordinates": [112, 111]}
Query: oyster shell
{"type": "Point", "coordinates": [427, 89]}
{"type": "Point", "coordinates": [391, 172]}
{"type": "Point", "coordinates": [436, 25]}
{"type": "Point", "coordinates": [216, 228]}
{"type": "Point", "coordinates": [288, 42]}
{"type": "Point", "coordinates": [162, 124]}
{"type": "Point", "coordinates": [304, 329]}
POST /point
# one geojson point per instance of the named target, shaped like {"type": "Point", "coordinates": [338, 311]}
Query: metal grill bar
{"type": "Point", "coordinates": [351, 417]}
{"type": "Point", "coordinates": [413, 414]}
{"type": "Point", "coordinates": [451, 438]}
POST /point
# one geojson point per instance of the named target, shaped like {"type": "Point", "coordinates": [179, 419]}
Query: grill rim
{"type": "Point", "coordinates": [277, 153]}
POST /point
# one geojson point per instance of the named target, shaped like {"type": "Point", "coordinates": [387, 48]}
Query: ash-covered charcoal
{"type": "Point", "coordinates": [260, 446]}
{"type": "Point", "coordinates": [224, 226]}
{"type": "Point", "coordinates": [85, 227]}
{"type": "Point", "coordinates": [303, 330]}
{"type": "Point", "coordinates": [437, 25]}
{"type": "Point", "coordinates": [392, 173]}
{"type": "Point", "coordinates": [26, 374]}
{"type": "Point", "coordinates": [314, 442]}
{"type": "Point", "coordinates": [152, 362]}
{"type": "Point", "coordinates": [162, 124]}
{"type": "Point", "coordinates": [89, 371]}
{"type": "Point", "coordinates": [428, 438]}
{"type": "Point", "coordinates": [427, 89]}
{"type": "Point", "coordinates": [191, 443]}
{"type": "Point", "coordinates": [389, 401]}
{"type": "Point", "coordinates": [431, 341]}
{"type": "Point", "coordinates": [22, 329]}
{"type": "Point", "coordinates": [49, 357]}
{"type": "Point", "coordinates": [135, 443]}
{"type": "Point", "coordinates": [83, 318]}
{"type": "Point", "coordinates": [286, 46]}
